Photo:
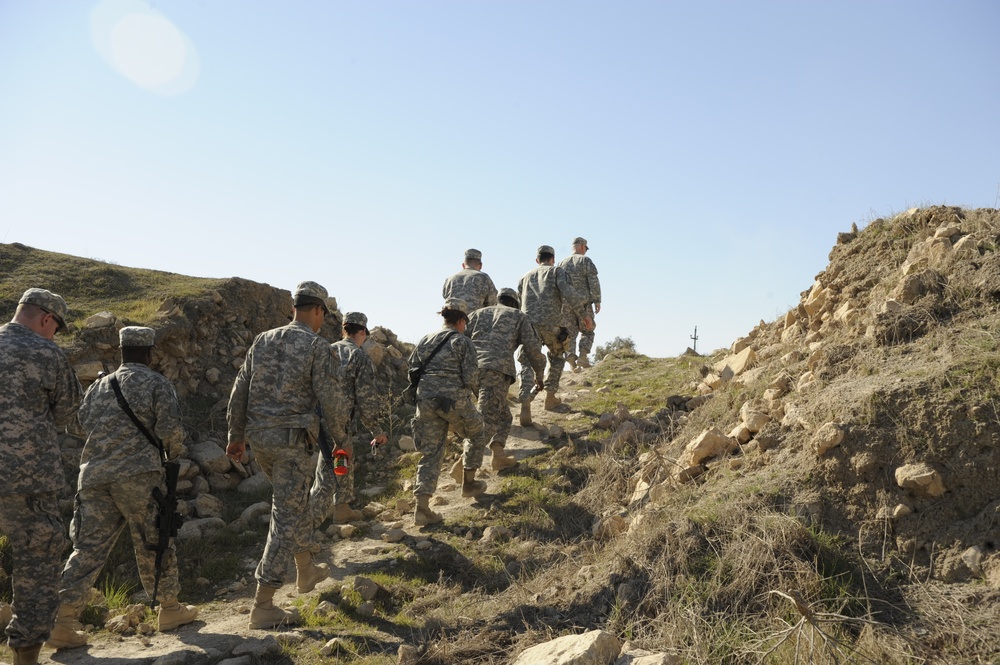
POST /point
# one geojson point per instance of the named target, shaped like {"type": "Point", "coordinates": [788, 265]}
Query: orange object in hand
{"type": "Point", "coordinates": [340, 461]}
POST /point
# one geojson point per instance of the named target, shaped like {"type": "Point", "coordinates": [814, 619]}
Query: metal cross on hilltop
{"type": "Point", "coordinates": [695, 338]}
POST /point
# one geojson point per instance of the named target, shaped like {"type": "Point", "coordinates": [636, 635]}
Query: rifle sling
{"type": "Point", "coordinates": [138, 423]}
{"type": "Point", "coordinates": [433, 353]}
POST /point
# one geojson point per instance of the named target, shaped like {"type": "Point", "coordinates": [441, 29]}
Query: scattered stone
{"type": "Point", "coordinates": [596, 647]}
{"type": "Point", "coordinates": [407, 655]}
{"type": "Point", "coordinates": [710, 443]}
{"type": "Point", "coordinates": [336, 645]}
{"type": "Point", "coordinates": [406, 444]}
{"type": "Point", "coordinates": [827, 437]}
{"type": "Point", "coordinates": [496, 533]}
{"type": "Point", "coordinates": [393, 535]}
{"type": "Point", "coordinates": [921, 479]}
{"type": "Point", "coordinates": [608, 527]}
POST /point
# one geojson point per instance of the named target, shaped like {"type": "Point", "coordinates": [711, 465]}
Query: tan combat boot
{"type": "Point", "coordinates": [457, 471]}
{"type": "Point", "coordinates": [172, 614]}
{"type": "Point", "coordinates": [551, 401]}
{"type": "Point", "coordinates": [264, 613]}
{"type": "Point", "coordinates": [307, 573]}
{"type": "Point", "coordinates": [471, 486]}
{"type": "Point", "coordinates": [571, 361]}
{"type": "Point", "coordinates": [343, 513]}
{"type": "Point", "coordinates": [584, 361]}
{"type": "Point", "coordinates": [501, 460]}
{"type": "Point", "coordinates": [422, 514]}
{"type": "Point", "coordinates": [525, 414]}
{"type": "Point", "coordinates": [66, 634]}
{"type": "Point", "coordinates": [26, 655]}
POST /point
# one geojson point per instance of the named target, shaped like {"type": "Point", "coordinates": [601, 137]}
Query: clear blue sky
{"type": "Point", "coordinates": [709, 151]}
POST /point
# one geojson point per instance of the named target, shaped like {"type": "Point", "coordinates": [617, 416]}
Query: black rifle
{"type": "Point", "coordinates": [168, 521]}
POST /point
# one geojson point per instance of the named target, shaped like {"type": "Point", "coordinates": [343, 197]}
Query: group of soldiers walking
{"type": "Point", "coordinates": [473, 355]}
{"type": "Point", "coordinates": [295, 395]}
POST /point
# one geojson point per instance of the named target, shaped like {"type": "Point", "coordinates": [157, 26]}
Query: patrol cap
{"type": "Point", "coordinates": [457, 305]}
{"type": "Point", "coordinates": [473, 255]}
{"type": "Point", "coordinates": [52, 303]}
{"type": "Point", "coordinates": [136, 336]}
{"type": "Point", "coordinates": [356, 318]}
{"type": "Point", "coordinates": [546, 249]}
{"type": "Point", "coordinates": [310, 293]}
{"type": "Point", "coordinates": [580, 241]}
{"type": "Point", "coordinates": [507, 292]}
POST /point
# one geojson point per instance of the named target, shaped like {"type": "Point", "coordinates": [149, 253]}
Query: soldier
{"type": "Point", "coordinates": [287, 373]}
{"type": "Point", "coordinates": [444, 399]}
{"type": "Point", "coordinates": [544, 291]}
{"type": "Point", "coordinates": [119, 468]}
{"type": "Point", "coordinates": [582, 275]}
{"type": "Point", "coordinates": [496, 333]}
{"type": "Point", "coordinates": [358, 383]}
{"type": "Point", "coordinates": [471, 285]}
{"type": "Point", "coordinates": [40, 397]}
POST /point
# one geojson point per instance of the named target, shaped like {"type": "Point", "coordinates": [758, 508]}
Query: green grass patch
{"type": "Point", "coordinates": [133, 294]}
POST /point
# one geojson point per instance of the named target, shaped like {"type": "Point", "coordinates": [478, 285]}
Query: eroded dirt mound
{"type": "Point", "coordinates": [879, 394]}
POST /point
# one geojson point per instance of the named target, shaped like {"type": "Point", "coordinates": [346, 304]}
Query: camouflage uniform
{"type": "Point", "coordinates": [444, 399]}
{"type": "Point", "coordinates": [273, 407]}
{"type": "Point", "coordinates": [119, 468]}
{"type": "Point", "coordinates": [543, 293]}
{"type": "Point", "coordinates": [582, 274]}
{"type": "Point", "coordinates": [358, 384]}
{"type": "Point", "coordinates": [40, 396]}
{"type": "Point", "coordinates": [473, 287]}
{"type": "Point", "coordinates": [496, 333]}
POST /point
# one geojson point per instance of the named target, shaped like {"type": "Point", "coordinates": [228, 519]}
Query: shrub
{"type": "Point", "coordinates": [623, 344]}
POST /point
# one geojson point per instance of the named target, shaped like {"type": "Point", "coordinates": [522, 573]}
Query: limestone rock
{"type": "Point", "coordinates": [827, 437]}
{"type": "Point", "coordinates": [608, 527]}
{"type": "Point", "coordinates": [406, 444]}
{"type": "Point", "coordinates": [921, 479]}
{"type": "Point", "coordinates": [738, 363]}
{"type": "Point", "coordinates": [257, 484]}
{"type": "Point", "coordinates": [596, 647]}
{"type": "Point", "coordinates": [710, 443]}
{"type": "Point", "coordinates": [211, 457]}
{"type": "Point", "coordinates": [206, 505]}
{"type": "Point", "coordinates": [100, 320]}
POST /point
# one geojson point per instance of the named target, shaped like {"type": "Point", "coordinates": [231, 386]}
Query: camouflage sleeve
{"type": "Point", "coordinates": [236, 413]}
{"type": "Point", "coordinates": [326, 384]}
{"type": "Point", "coordinates": [532, 346]}
{"type": "Point", "coordinates": [594, 283]}
{"type": "Point", "coordinates": [569, 294]}
{"type": "Point", "coordinates": [168, 426]}
{"type": "Point", "coordinates": [66, 395]}
{"type": "Point", "coordinates": [491, 292]}
{"type": "Point", "coordinates": [466, 352]}
{"type": "Point", "coordinates": [366, 395]}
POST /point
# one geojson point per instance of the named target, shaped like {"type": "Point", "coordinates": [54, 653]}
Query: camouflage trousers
{"type": "Point", "coordinates": [493, 389]}
{"type": "Point", "coordinates": [574, 323]}
{"type": "Point", "coordinates": [99, 516]}
{"type": "Point", "coordinates": [328, 488]}
{"type": "Point", "coordinates": [37, 539]}
{"type": "Point", "coordinates": [287, 461]}
{"type": "Point", "coordinates": [556, 353]}
{"type": "Point", "coordinates": [430, 433]}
